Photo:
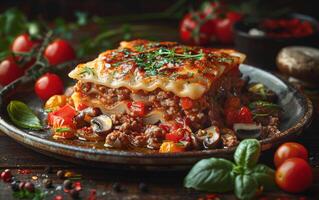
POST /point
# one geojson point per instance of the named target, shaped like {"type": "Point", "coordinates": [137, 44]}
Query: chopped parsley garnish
{"type": "Point", "coordinates": [87, 71]}
{"type": "Point", "coordinates": [151, 62]}
{"type": "Point", "coordinates": [140, 48]}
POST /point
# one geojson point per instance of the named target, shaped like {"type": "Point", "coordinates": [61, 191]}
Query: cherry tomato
{"type": "Point", "coordinates": [186, 103]}
{"type": "Point", "coordinates": [137, 108]}
{"type": "Point", "coordinates": [290, 150]}
{"type": "Point", "coordinates": [58, 52]}
{"type": "Point", "coordinates": [23, 43]}
{"type": "Point", "coordinates": [294, 175]}
{"type": "Point", "coordinates": [195, 29]}
{"type": "Point", "coordinates": [224, 27]}
{"type": "Point", "coordinates": [62, 117]}
{"type": "Point", "coordinates": [48, 85]}
{"type": "Point", "coordinates": [9, 71]}
{"type": "Point", "coordinates": [171, 147]}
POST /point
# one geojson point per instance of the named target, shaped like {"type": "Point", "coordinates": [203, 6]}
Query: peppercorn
{"type": "Point", "coordinates": [29, 187]}
{"type": "Point", "coordinates": [67, 185]}
{"type": "Point", "coordinates": [117, 187]}
{"type": "Point", "coordinates": [74, 194]}
{"type": "Point", "coordinates": [6, 175]}
{"type": "Point", "coordinates": [47, 183]}
{"type": "Point", "coordinates": [60, 174]}
{"type": "Point", "coordinates": [15, 185]}
{"type": "Point", "coordinates": [143, 187]}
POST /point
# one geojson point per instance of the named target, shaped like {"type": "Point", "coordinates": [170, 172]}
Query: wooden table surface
{"type": "Point", "coordinates": [161, 185]}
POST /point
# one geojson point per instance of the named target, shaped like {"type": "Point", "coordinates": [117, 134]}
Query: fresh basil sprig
{"type": "Point", "coordinates": [22, 116]}
{"type": "Point", "coordinates": [245, 177]}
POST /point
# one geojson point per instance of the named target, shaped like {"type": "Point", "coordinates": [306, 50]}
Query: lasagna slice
{"type": "Point", "coordinates": [150, 89]}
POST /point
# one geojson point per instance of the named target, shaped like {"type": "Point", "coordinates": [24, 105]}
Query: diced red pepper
{"type": "Point", "coordinates": [245, 115]}
{"type": "Point", "coordinates": [186, 103]}
{"type": "Point", "coordinates": [165, 127]}
{"type": "Point", "coordinates": [178, 135]}
{"type": "Point", "coordinates": [62, 117]}
{"type": "Point", "coordinates": [137, 108]}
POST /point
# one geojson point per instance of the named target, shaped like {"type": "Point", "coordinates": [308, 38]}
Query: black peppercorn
{"type": "Point", "coordinates": [143, 187]}
{"type": "Point", "coordinates": [29, 187]}
{"type": "Point", "coordinates": [74, 194]}
{"type": "Point", "coordinates": [15, 186]}
{"type": "Point", "coordinates": [60, 174]}
{"type": "Point", "coordinates": [117, 187]}
{"type": "Point", "coordinates": [47, 183]}
{"type": "Point", "coordinates": [67, 184]}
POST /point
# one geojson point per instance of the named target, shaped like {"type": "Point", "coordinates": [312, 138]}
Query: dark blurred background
{"type": "Point", "coordinates": [50, 9]}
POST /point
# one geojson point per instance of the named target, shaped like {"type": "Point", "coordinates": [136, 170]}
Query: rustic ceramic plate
{"type": "Point", "coordinates": [296, 116]}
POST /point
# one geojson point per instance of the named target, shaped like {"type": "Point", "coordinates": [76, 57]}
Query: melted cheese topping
{"type": "Point", "coordinates": [143, 65]}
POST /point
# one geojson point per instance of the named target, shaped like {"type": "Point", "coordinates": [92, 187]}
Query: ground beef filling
{"type": "Point", "coordinates": [130, 131]}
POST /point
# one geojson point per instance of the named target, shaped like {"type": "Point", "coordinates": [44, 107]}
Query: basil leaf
{"type": "Point", "coordinates": [213, 175]}
{"type": "Point", "coordinates": [265, 176]}
{"type": "Point", "coordinates": [245, 187]}
{"type": "Point", "coordinates": [247, 153]}
{"type": "Point", "coordinates": [22, 116]}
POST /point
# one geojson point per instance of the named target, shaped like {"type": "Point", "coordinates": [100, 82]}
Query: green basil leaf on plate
{"type": "Point", "coordinates": [245, 187]}
{"type": "Point", "coordinates": [22, 116]}
{"type": "Point", "coordinates": [213, 175]}
{"type": "Point", "coordinates": [265, 176]}
{"type": "Point", "coordinates": [247, 153]}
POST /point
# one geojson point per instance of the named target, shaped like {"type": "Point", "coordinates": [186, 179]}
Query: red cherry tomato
{"type": "Point", "coordinates": [9, 71]}
{"type": "Point", "coordinates": [195, 29]}
{"type": "Point", "coordinates": [23, 43]}
{"type": "Point", "coordinates": [224, 27]}
{"type": "Point", "coordinates": [58, 52]}
{"type": "Point", "coordinates": [186, 103]}
{"type": "Point", "coordinates": [290, 150]}
{"type": "Point", "coordinates": [294, 175]}
{"type": "Point", "coordinates": [137, 108]}
{"type": "Point", "coordinates": [48, 85]}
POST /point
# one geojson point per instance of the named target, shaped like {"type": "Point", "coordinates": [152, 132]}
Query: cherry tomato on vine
{"type": "Point", "coordinates": [196, 29]}
{"type": "Point", "coordinates": [48, 85]}
{"type": "Point", "coordinates": [290, 150]}
{"type": "Point", "coordinates": [23, 43]}
{"type": "Point", "coordinates": [9, 71]}
{"type": "Point", "coordinates": [213, 8]}
{"type": "Point", "coordinates": [59, 51]}
{"type": "Point", "coordinates": [224, 27]}
{"type": "Point", "coordinates": [294, 175]}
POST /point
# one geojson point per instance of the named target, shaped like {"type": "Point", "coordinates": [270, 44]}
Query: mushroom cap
{"type": "Point", "coordinates": [300, 62]}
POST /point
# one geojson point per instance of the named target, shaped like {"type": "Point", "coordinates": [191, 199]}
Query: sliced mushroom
{"type": "Point", "coordinates": [102, 124]}
{"type": "Point", "coordinates": [84, 117]}
{"type": "Point", "coordinates": [210, 137]}
{"type": "Point", "coordinates": [244, 131]}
